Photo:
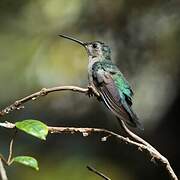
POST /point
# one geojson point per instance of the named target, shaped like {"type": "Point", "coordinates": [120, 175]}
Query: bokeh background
{"type": "Point", "coordinates": [145, 41]}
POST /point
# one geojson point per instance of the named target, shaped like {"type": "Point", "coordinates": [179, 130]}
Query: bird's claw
{"type": "Point", "coordinates": [92, 91]}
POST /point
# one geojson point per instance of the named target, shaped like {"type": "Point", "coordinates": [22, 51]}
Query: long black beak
{"type": "Point", "coordinates": [73, 39]}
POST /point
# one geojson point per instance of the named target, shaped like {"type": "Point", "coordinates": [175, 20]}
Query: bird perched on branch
{"type": "Point", "coordinates": [109, 82]}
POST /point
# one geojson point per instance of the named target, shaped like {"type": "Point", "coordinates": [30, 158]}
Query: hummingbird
{"type": "Point", "coordinates": [103, 75]}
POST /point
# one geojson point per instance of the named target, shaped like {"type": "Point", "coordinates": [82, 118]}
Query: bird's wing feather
{"type": "Point", "coordinates": [116, 94]}
{"type": "Point", "coordinates": [120, 81]}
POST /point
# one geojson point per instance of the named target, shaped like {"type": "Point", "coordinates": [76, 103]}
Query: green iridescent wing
{"type": "Point", "coordinates": [123, 87]}
{"type": "Point", "coordinates": [120, 81]}
{"type": "Point", "coordinates": [115, 91]}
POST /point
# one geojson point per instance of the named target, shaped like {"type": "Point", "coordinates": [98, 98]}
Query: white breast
{"type": "Point", "coordinates": [90, 64]}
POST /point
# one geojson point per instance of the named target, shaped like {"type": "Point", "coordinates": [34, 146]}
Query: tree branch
{"type": "Point", "coordinates": [144, 147]}
{"type": "Point", "coordinates": [43, 92]}
{"type": "Point", "coordinates": [157, 157]}
{"type": "Point", "coordinates": [136, 141]}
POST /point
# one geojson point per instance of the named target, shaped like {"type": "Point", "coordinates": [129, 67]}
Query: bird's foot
{"type": "Point", "coordinates": [92, 91]}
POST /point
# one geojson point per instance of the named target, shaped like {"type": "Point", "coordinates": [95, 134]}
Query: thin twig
{"type": "Point", "coordinates": [9, 161]}
{"type": "Point", "coordinates": [90, 168]}
{"type": "Point", "coordinates": [10, 151]}
{"type": "Point", "coordinates": [3, 171]}
{"type": "Point", "coordinates": [134, 136]}
{"type": "Point", "coordinates": [154, 155]}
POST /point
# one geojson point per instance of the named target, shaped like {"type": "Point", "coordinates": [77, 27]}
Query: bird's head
{"type": "Point", "coordinates": [94, 49]}
{"type": "Point", "coordinates": [98, 49]}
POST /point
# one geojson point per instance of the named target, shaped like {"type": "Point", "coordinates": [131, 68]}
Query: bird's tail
{"type": "Point", "coordinates": [133, 120]}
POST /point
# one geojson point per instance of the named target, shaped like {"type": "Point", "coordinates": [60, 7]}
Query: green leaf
{"type": "Point", "coordinates": [27, 161]}
{"type": "Point", "coordinates": [34, 128]}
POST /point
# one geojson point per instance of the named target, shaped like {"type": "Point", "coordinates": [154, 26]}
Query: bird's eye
{"type": "Point", "coordinates": [94, 45]}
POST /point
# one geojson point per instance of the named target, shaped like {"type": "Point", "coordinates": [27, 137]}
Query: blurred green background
{"type": "Point", "coordinates": [145, 41]}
